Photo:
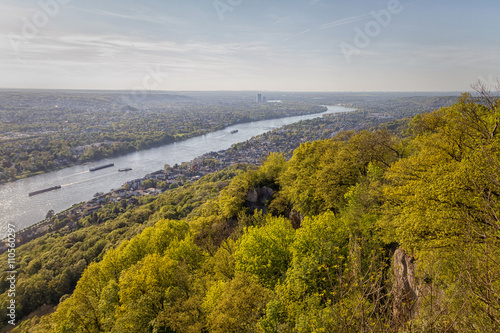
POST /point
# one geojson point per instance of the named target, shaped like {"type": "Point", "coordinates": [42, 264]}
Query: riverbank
{"type": "Point", "coordinates": [253, 151]}
{"type": "Point", "coordinates": [98, 151]}
{"type": "Point", "coordinates": [79, 185]}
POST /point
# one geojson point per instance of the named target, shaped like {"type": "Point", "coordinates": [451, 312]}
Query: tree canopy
{"type": "Point", "coordinates": [307, 245]}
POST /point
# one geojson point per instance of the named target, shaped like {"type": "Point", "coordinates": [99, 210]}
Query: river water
{"type": "Point", "coordinates": [78, 184]}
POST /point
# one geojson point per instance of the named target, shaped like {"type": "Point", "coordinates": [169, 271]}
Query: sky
{"type": "Point", "coordinates": [258, 45]}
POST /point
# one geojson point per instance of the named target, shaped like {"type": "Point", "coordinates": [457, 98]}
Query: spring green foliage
{"type": "Point", "coordinates": [445, 210]}
{"type": "Point", "coordinates": [265, 251]}
{"type": "Point", "coordinates": [236, 264]}
{"type": "Point", "coordinates": [237, 305]}
{"type": "Point", "coordinates": [50, 266]}
{"type": "Point", "coordinates": [149, 273]}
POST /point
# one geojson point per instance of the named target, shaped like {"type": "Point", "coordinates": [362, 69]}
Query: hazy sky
{"type": "Point", "coordinates": [287, 45]}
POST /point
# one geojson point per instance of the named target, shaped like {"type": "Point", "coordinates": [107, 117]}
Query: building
{"type": "Point", "coordinates": [259, 98]}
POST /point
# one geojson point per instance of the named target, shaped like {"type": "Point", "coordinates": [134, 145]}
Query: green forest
{"type": "Point", "coordinates": [394, 229]}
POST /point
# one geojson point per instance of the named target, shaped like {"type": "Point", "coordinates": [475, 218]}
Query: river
{"type": "Point", "coordinates": [78, 184]}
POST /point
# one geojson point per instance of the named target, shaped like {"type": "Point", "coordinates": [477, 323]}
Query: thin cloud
{"type": "Point", "coordinates": [297, 35]}
{"type": "Point", "coordinates": [358, 18]}
{"type": "Point", "coordinates": [143, 18]}
{"type": "Point", "coordinates": [120, 54]}
{"type": "Point", "coordinates": [279, 21]}
{"type": "Point", "coordinates": [344, 21]}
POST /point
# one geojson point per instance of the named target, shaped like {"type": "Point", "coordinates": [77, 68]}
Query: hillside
{"type": "Point", "coordinates": [367, 231]}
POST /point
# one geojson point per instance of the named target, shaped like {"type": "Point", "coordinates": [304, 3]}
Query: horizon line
{"type": "Point", "coordinates": [250, 90]}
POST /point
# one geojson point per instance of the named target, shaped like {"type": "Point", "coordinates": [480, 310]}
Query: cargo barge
{"type": "Point", "coordinates": [44, 190]}
{"type": "Point", "coordinates": [101, 167]}
{"type": "Point", "coordinates": [234, 131]}
{"type": "Point", "coordinates": [124, 169]}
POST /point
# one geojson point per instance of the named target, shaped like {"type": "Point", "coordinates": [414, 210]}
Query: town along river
{"type": "Point", "coordinates": [78, 184]}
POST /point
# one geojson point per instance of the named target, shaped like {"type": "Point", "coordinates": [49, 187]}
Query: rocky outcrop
{"type": "Point", "coordinates": [296, 219]}
{"type": "Point", "coordinates": [405, 288]}
{"type": "Point", "coordinates": [257, 198]}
